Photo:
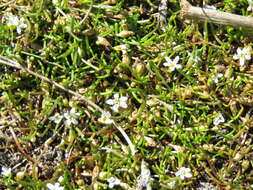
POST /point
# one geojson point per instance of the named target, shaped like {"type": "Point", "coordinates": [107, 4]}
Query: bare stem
{"type": "Point", "coordinates": [20, 148]}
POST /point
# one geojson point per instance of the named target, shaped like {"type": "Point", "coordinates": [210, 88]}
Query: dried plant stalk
{"type": "Point", "coordinates": [218, 17]}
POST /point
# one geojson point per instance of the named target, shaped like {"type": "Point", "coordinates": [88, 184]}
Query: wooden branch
{"type": "Point", "coordinates": [211, 15]}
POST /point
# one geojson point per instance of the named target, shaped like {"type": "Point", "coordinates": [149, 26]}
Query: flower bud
{"type": "Point", "coordinates": [238, 156]}
{"type": "Point", "coordinates": [20, 175]}
{"type": "Point", "coordinates": [124, 34]}
{"type": "Point", "coordinates": [138, 69]}
{"type": "Point", "coordinates": [245, 165]}
{"type": "Point", "coordinates": [126, 59]}
{"type": "Point", "coordinates": [103, 41]}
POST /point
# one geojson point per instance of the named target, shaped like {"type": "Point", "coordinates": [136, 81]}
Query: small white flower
{"type": "Point", "coordinates": [56, 118]}
{"type": "Point", "coordinates": [117, 102]}
{"type": "Point", "coordinates": [113, 182]}
{"type": "Point", "coordinates": [16, 22]}
{"type": "Point", "coordinates": [55, 186]}
{"type": "Point", "coordinates": [6, 171]}
{"type": "Point", "coordinates": [71, 117]}
{"type": "Point", "coordinates": [12, 20]}
{"type": "Point", "coordinates": [172, 64]}
{"type": "Point", "coordinates": [106, 118]}
{"type": "Point", "coordinates": [250, 7]}
{"type": "Point", "coordinates": [242, 55]}
{"type": "Point", "coordinates": [184, 173]}
{"type": "Point", "coordinates": [219, 119]}
{"type": "Point", "coordinates": [217, 77]}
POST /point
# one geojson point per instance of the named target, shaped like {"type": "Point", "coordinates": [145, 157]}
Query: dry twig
{"type": "Point", "coordinates": [218, 17]}
{"type": "Point", "coordinates": [20, 148]}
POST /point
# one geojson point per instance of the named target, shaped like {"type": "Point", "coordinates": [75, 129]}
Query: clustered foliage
{"type": "Point", "coordinates": [182, 92]}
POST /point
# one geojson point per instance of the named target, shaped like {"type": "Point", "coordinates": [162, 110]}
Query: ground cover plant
{"type": "Point", "coordinates": [123, 94]}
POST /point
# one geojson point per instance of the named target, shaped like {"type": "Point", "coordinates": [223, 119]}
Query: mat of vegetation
{"type": "Point", "coordinates": [123, 94]}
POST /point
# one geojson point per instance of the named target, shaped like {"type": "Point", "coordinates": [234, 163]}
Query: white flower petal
{"type": "Point", "coordinates": [105, 118]}
{"type": "Point", "coordinates": [50, 186]}
{"type": "Point", "coordinates": [110, 102]}
{"type": "Point", "coordinates": [178, 66]}
{"type": "Point", "coordinates": [108, 121]}
{"type": "Point", "coordinates": [6, 171]}
{"type": "Point", "coordinates": [176, 59]}
{"type": "Point", "coordinates": [18, 30]}
{"type": "Point", "coordinates": [106, 114]}
{"type": "Point", "coordinates": [117, 102]}
{"type": "Point", "coordinates": [248, 57]}
{"type": "Point", "coordinates": [242, 61]}
{"type": "Point", "coordinates": [239, 50]}
{"type": "Point", "coordinates": [123, 98]}
{"type": "Point", "coordinates": [165, 64]}
{"type": "Point", "coordinates": [219, 119]}
{"type": "Point", "coordinates": [235, 57]}
{"type": "Point", "coordinates": [21, 19]}
{"type": "Point", "coordinates": [72, 111]}
{"type": "Point", "coordinates": [123, 104]}
{"type": "Point", "coordinates": [115, 107]}
{"type": "Point", "coordinates": [168, 60]}
{"type": "Point", "coordinates": [68, 122]}
{"type": "Point", "coordinates": [55, 186]}
{"type": "Point", "coordinates": [66, 115]}
{"type": "Point", "coordinates": [116, 96]}
{"type": "Point", "coordinates": [184, 173]}
{"type": "Point", "coordinates": [243, 55]}
{"type": "Point", "coordinates": [113, 182]}
{"type": "Point", "coordinates": [56, 118]}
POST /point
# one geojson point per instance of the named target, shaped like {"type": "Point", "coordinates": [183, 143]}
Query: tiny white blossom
{"type": "Point", "coordinates": [16, 22]}
{"type": "Point", "coordinates": [184, 173]}
{"type": "Point", "coordinates": [71, 117]}
{"type": "Point", "coordinates": [250, 7]}
{"type": "Point", "coordinates": [6, 171]}
{"type": "Point", "coordinates": [113, 182]}
{"type": "Point", "coordinates": [219, 119]}
{"type": "Point", "coordinates": [242, 55]}
{"type": "Point", "coordinates": [55, 186]}
{"type": "Point", "coordinates": [106, 118]}
{"type": "Point", "coordinates": [217, 77]}
{"type": "Point", "coordinates": [172, 64]}
{"type": "Point", "coordinates": [56, 118]}
{"type": "Point", "coordinates": [117, 102]}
